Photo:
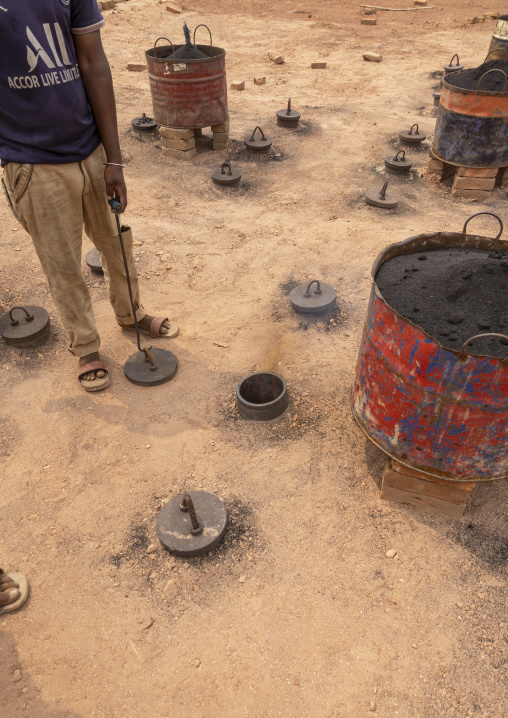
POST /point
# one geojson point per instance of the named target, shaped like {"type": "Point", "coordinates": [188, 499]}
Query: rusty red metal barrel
{"type": "Point", "coordinates": [499, 43]}
{"type": "Point", "coordinates": [471, 126]}
{"type": "Point", "coordinates": [188, 94]}
{"type": "Point", "coordinates": [439, 411]}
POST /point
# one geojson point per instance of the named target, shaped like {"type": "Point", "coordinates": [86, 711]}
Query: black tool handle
{"type": "Point", "coordinates": [115, 205]}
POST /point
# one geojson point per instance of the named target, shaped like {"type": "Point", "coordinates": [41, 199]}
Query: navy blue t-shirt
{"type": "Point", "coordinates": [45, 117]}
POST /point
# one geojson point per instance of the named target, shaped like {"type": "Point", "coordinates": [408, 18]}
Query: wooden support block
{"type": "Point", "coordinates": [437, 164]}
{"type": "Point", "coordinates": [483, 183]}
{"type": "Point", "coordinates": [223, 127]}
{"type": "Point", "coordinates": [219, 145]}
{"type": "Point", "coordinates": [479, 173]}
{"type": "Point", "coordinates": [174, 133]}
{"type": "Point", "coordinates": [318, 65]}
{"type": "Point", "coordinates": [472, 194]}
{"type": "Point", "coordinates": [409, 486]}
{"type": "Point", "coordinates": [179, 154]}
{"type": "Point", "coordinates": [189, 144]}
{"type": "Point", "coordinates": [259, 80]}
{"type": "Point", "coordinates": [238, 85]}
{"type": "Point", "coordinates": [502, 177]}
{"type": "Point", "coordinates": [441, 169]}
{"type": "Point", "coordinates": [136, 66]}
{"type": "Point", "coordinates": [106, 4]}
{"type": "Point", "coordinates": [368, 21]}
{"type": "Point", "coordinates": [220, 136]}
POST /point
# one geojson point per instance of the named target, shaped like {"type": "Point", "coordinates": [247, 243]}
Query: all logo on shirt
{"type": "Point", "coordinates": [46, 50]}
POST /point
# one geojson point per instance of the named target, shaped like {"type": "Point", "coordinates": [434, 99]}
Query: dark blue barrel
{"type": "Point", "coordinates": [471, 126]}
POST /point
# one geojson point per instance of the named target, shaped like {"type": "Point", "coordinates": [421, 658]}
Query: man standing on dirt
{"type": "Point", "coordinates": [61, 156]}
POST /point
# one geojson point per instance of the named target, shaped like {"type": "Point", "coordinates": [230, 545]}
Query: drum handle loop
{"type": "Point", "coordinates": [462, 354]}
{"type": "Point", "coordinates": [209, 31]}
{"type": "Point", "coordinates": [488, 73]}
{"type": "Point", "coordinates": [496, 49]}
{"type": "Point", "coordinates": [155, 46]}
{"type": "Point", "coordinates": [491, 214]}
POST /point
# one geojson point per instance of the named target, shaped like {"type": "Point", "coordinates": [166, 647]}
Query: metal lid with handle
{"type": "Point", "coordinates": [411, 137]}
{"type": "Point", "coordinates": [26, 330]}
{"type": "Point", "coordinates": [288, 117]}
{"type": "Point", "coordinates": [400, 164]}
{"type": "Point", "coordinates": [232, 176]}
{"type": "Point", "coordinates": [451, 67]}
{"type": "Point", "coordinates": [263, 143]}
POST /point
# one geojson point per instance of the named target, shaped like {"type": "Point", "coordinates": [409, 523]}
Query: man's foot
{"type": "Point", "coordinates": [156, 326]}
{"type": "Point", "coordinates": [97, 377]}
{"type": "Point", "coordinates": [14, 591]}
{"type": "Point", "coordinates": [98, 373]}
{"type": "Point", "coordinates": [147, 320]}
{"type": "Point", "coordinates": [9, 590]}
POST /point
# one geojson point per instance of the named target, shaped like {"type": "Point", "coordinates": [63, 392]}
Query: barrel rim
{"type": "Point", "coordinates": [151, 54]}
{"type": "Point", "coordinates": [445, 240]}
{"type": "Point", "coordinates": [464, 91]}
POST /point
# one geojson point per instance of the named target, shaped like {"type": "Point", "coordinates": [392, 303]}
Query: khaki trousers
{"type": "Point", "coordinates": [53, 203]}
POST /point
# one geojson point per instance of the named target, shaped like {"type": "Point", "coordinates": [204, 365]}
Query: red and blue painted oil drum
{"type": "Point", "coordinates": [471, 126]}
{"type": "Point", "coordinates": [439, 411]}
{"type": "Point", "coordinates": [499, 44]}
{"type": "Point", "coordinates": [188, 94]}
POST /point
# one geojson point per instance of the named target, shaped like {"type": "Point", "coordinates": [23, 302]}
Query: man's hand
{"type": "Point", "coordinates": [115, 184]}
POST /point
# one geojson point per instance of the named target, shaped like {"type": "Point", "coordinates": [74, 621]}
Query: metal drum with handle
{"type": "Point", "coordinates": [472, 125]}
{"type": "Point", "coordinates": [440, 411]}
{"type": "Point", "coordinates": [188, 94]}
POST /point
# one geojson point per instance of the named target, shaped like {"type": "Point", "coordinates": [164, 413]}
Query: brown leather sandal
{"type": "Point", "coordinates": [155, 326]}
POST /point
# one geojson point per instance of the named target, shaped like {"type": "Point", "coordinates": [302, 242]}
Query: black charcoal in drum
{"type": "Point", "coordinates": [188, 51]}
{"type": "Point", "coordinates": [455, 294]}
{"type": "Point", "coordinates": [469, 79]}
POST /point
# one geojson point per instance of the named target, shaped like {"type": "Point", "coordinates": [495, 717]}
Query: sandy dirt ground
{"type": "Point", "coordinates": [299, 613]}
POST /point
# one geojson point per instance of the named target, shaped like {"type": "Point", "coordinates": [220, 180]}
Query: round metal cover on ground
{"type": "Point", "coordinates": [262, 396]}
{"type": "Point", "coordinates": [313, 297]}
{"type": "Point", "coordinates": [400, 164]}
{"type": "Point", "coordinates": [413, 138]}
{"type": "Point", "coordinates": [226, 176]}
{"type": "Point", "coordinates": [451, 67]}
{"type": "Point", "coordinates": [379, 198]}
{"type": "Point", "coordinates": [139, 370]}
{"type": "Point", "coordinates": [93, 260]}
{"type": "Point", "coordinates": [258, 143]}
{"type": "Point", "coordinates": [144, 123]}
{"type": "Point", "coordinates": [175, 528]}
{"type": "Point", "coordinates": [288, 117]}
{"type": "Point", "coordinates": [25, 326]}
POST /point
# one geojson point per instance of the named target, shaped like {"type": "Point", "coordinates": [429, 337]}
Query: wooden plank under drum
{"type": "Point", "coordinates": [409, 486]}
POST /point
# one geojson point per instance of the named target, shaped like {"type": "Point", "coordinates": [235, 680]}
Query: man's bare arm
{"type": "Point", "coordinates": [96, 76]}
